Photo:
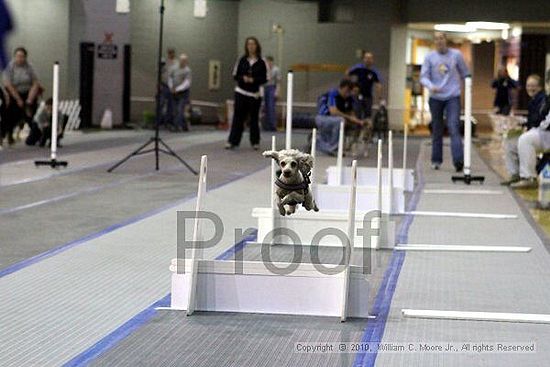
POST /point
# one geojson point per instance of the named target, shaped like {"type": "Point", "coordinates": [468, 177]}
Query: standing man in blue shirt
{"type": "Point", "coordinates": [369, 81]}
{"type": "Point", "coordinates": [442, 73]}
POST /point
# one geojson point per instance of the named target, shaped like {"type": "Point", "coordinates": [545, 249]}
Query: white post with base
{"type": "Point", "coordinates": [53, 162]}
{"type": "Point", "coordinates": [467, 178]}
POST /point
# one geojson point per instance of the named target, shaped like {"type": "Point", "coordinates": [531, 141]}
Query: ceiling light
{"type": "Point", "coordinates": [463, 28]}
{"type": "Point", "coordinates": [489, 25]}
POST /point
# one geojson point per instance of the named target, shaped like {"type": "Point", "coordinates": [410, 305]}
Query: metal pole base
{"type": "Point", "coordinates": [141, 150]}
{"type": "Point", "coordinates": [468, 179]}
{"type": "Point", "coordinates": [53, 163]}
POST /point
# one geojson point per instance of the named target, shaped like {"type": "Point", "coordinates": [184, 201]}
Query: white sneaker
{"type": "Point", "coordinates": [435, 166]}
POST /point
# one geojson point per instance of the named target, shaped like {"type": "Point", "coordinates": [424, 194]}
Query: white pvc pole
{"type": "Point", "coordinates": [406, 133]}
{"type": "Point", "coordinates": [313, 154]}
{"type": "Point", "coordinates": [55, 109]}
{"type": "Point", "coordinates": [390, 171]}
{"type": "Point", "coordinates": [467, 124]}
{"type": "Point", "coordinates": [350, 234]}
{"type": "Point", "coordinates": [340, 157]}
{"type": "Point", "coordinates": [289, 86]}
{"type": "Point", "coordinates": [273, 172]}
{"type": "Point", "coordinates": [196, 253]}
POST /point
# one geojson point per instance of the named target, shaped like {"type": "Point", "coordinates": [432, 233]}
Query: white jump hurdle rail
{"type": "Point", "coordinates": [334, 197]}
{"type": "Point", "coordinates": [340, 175]}
{"type": "Point", "coordinates": [215, 285]}
{"type": "Point", "coordinates": [307, 224]}
{"type": "Point", "coordinates": [289, 97]}
{"type": "Point", "coordinates": [53, 162]}
{"type": "Point", "coordinates": [348, 249]}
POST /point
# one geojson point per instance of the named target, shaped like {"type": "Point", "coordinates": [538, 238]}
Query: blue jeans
{"type": "Point", "coordinates": [181, 100]}
{"type": "Point", "coordinates": [270, 122]}
{"type": "Point", "coordinates": [451, 107]}
{"type": "Point", "coordinates": [166, 105]}
{"type": "Point", "coordinates": [328, 130]}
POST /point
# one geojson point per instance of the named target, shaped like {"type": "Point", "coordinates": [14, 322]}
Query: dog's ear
{"type": "Point", "coordinates": [305, 161]}
{"type": "Point", "coordinates": [271, 154]}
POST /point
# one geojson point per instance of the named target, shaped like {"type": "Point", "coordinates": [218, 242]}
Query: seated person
{"type": "Point", "coordinates": [333, 106]}
{"type": "Point", "coordinates": [521, 151]}
{"type": "Point", "coordinates": [41, 127]}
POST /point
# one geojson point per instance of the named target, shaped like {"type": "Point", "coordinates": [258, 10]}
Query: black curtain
{"type": "Point", "coordinates": [532, 61]}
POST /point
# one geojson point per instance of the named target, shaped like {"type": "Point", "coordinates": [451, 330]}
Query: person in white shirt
{"type": "Point", "coordinates": [179, 83]}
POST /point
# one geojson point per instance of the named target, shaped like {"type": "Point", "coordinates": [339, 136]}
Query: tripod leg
{"type": "Point", "coordinates": [135, 152]}
{"type": "Point", "coordinates": [172, 153]}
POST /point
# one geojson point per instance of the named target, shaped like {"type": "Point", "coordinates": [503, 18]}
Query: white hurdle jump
{"type": "Point", "coordinates": [333, 197]}
{"type": "Point", "coordinates": [215, 285]}
{"type": "Point", "coordinates": [403, 178]}
{"type": "Point", "coordinates": [307, 224]}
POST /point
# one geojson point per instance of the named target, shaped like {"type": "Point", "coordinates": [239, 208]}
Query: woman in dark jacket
{"type": "Point", "coordinates": [250, 72]}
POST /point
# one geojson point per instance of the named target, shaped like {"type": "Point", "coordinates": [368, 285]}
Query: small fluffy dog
{"type": "Point", "coordinates": [293, 181]}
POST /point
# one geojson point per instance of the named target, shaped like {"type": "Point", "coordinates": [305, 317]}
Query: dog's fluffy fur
{"type": "Point", "coordinates": [294, 165]}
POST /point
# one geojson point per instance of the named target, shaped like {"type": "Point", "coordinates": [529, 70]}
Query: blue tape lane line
{"type": "Point", "coordinates": [118, 334]}
{"type": "Point", "coordinates": [126, 329]}
{"type": "Point", "coordinates": [374, 331]}
{"type": "Point", "coordinates": [239, 246]}
{"type": "Point", "coordinates": [54, 251]}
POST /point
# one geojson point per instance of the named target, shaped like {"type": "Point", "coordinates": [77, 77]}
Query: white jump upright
{"type": "Point", "coordinates": [313, 154]}
{"type": "Point", "coordinates": [273, 172]}
{"type": "Point", "coordinates": [348, 249]}
{"type": "Point", "coordinates": [340, 157]}
{"type": "Point", "coordinates": [289, 97]}
{"type": "Point", "coordinates": [53, 162]}
{"type": "Point", "coordinates": [467, 177]}
{"type": "Point", "coordinates": [196, 253]}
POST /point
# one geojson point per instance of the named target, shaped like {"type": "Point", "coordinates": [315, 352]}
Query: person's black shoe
{"type": "Point", "coordinates": [459, 166]}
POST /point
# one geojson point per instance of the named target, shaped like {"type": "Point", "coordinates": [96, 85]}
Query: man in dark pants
{"type": "Point", "coordinates": [442, 73]}
{"type": "Point", "coordinates": [369, 81]}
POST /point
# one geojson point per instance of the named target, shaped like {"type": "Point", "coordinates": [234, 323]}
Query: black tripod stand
{"type": "Point", "coordinates": [156, 141]}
